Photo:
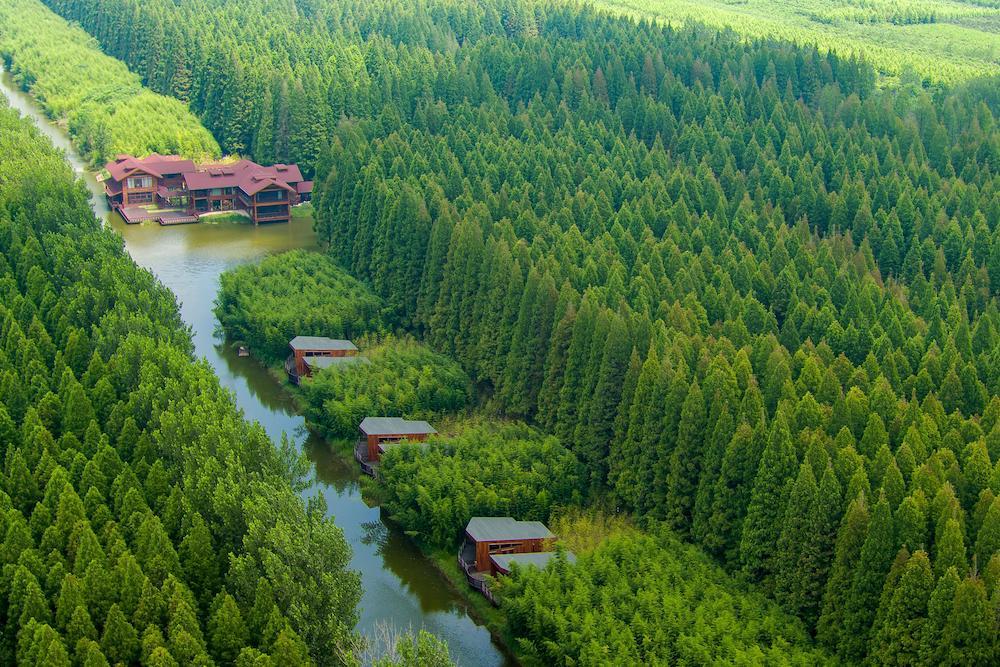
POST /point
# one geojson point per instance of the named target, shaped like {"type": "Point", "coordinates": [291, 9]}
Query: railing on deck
{"type": "Point", "coordinates": [273, 217]}
{"type": "Point", "coordinates": [467, 563]}
{"type": "Point", "coordinates": [291, 370]}
{"type": "Point", "coordinates": [361, 456]}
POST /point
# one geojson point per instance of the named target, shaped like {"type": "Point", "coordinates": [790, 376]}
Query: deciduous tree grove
{"type": "Point", "coordinates": [297, 293]}
{"type": "Point", "coordinates": [397, 378]}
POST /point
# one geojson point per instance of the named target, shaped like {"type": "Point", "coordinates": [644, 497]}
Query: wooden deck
{"type": "Point", "coordinates": [133, 215]}
{"type": "Point", "coordinates": [369, 468]}
{"type": "Point", "coordinates": [467, 563]}
{"type": "Point", "coordinates": [176, 218]}
{"type": "Point", "coordinates": [293, 374]}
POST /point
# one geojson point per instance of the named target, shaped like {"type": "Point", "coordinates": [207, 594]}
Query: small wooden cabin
{"type": "Point", "coordinates": [488, 536]}
{"type": "Point", "coordinates": [308, 347]}
{"type": "Point", "coordinates": [503, 563]}
{"type": "Point", "coordinates": [378, 432]}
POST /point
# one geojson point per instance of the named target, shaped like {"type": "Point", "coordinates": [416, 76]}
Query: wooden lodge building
{"type": "Point", "coordinates": [141, 181]}
{"type": "Point", "coordinates": [486, 536]}
{"type": "Point", "coordinates": [493, 545]}
{"type": "Point", "coordinates": [308, 350]}
{"type": "Point", "coordinates": [378, 434]}
{"type": "Point", "coordinates": [265, 194]}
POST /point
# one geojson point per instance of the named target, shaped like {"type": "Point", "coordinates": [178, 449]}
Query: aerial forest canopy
{"type": "Point", "coordinates": [105, 106]}
{"type": "Point", "coordinates": [751, 291]}
{"type": "Point", "coordinates": [142, 518]}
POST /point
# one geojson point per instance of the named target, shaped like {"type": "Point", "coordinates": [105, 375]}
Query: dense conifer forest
{"type": "Point", "coordinates": [143, 520]}
{"type": "Point", "coordinates": [752, 293]}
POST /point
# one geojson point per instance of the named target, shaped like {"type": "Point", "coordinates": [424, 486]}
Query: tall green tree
{"type": "Point", "coordinates": [761, 528]}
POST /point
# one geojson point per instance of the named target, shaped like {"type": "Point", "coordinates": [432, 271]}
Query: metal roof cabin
{"type": "Point", "coordinates": [380, 433]}
{"type": "Point", "coordinates": [316, 345]}
{"type": "Point", "coordinates": [308, 347]}
{"type": "Point", "coordinates": [496, 535]}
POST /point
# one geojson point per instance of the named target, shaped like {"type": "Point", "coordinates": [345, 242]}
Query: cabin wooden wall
{"type": "Point", "coordinates": [300, 357]}
{"type": "Point", "coordinates": [374, 440]}
{"type": "Point", "coordinates": [483, 562]}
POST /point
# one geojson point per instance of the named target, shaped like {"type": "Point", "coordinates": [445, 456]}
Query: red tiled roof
{"type": "Point", "coordinates": [245, 175]}
{"type": "Point", "coordinates": [154, 164]}
{"type": "Point", "coordinates": [254, 183]}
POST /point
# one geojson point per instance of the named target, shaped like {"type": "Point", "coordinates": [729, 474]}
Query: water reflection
{"type": "Point", "coordinates": [400, 585]}
{"type": "Point", "coordinates": [260, 382]}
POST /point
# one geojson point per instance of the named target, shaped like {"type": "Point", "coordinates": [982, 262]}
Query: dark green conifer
{"type": "Point", "coordinates": [868, 580]}
{"type": "Point", "coordinates": [762, 526]}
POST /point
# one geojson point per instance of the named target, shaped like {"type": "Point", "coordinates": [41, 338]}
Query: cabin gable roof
{"type": "Point", "coordinates": [320, 344]}
{"type": "Point", "coordinates": [539, 559]}
{"type": "Point", "coordinates": [154, 164]}
{"type": "Point", "coordinates": [395, 426]}
{"type": "Point", "coordinates": [320, 363]}
{"type": "Point", "coordinates": [505, 528]}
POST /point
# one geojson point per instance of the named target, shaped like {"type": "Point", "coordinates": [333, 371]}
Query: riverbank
{"type": "Point", "coordinates": [482, 609]}
{"type": "Point", "coordinates": [443, 561]}
{"type": "Point", "coordinates": [400, 586]}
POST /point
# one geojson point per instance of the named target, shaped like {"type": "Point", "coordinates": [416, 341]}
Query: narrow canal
{"type": "Point", "coordinates": [401, 588]}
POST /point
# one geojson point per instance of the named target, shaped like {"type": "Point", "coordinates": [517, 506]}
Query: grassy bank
{"type": "Point", "coordinates": [104, 106]}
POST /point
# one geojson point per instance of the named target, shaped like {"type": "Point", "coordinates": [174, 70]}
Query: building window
{"type": "Point", "coordinates": [271, 195]}
{"type": "Point", "coordinates": [140, 181]}
{"type": "Point", "coordinates": [504, 547]}
{"type": "Point", "coordinates": [140, 198]}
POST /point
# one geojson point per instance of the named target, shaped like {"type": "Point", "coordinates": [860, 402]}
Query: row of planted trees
{"type": "Point", "coordinates": [756, 301]}
{"type": "Point", "coordinates": [105, 106]}
{"type": "Point", "coordinates": [744, 288]}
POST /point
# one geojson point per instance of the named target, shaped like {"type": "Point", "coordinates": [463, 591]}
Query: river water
{"type": "Point", "coordinates": [400, 587]}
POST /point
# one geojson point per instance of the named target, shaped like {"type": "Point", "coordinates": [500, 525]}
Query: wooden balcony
{"type": "Point", "coordinates": [467, 563]}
